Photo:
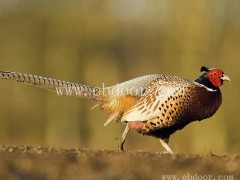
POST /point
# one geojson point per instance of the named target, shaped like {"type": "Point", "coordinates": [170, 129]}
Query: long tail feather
{"type": "Point", "coordinates": [58, 86]}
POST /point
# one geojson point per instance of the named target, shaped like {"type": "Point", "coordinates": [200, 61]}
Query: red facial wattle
{"type": "Point", "coordinates": [214, 77]}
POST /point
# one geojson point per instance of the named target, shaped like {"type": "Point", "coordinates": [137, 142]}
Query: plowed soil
{"type": "Point", "coordinates": [25, 162]}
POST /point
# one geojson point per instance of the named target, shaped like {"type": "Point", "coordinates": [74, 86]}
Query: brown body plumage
{"type": "Point", "coordinates": [190, 102]}
{"type": "Point", "coordinates": [155, 105]}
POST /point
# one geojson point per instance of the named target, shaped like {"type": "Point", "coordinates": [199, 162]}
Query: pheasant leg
{"type": "Point", "coordinates": [165, 145]}
{"type": "Point", "coordinates": [123, 138]}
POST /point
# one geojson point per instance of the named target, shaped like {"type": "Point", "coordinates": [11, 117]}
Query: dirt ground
{"type": "Point", "coordinates": [25, 162]}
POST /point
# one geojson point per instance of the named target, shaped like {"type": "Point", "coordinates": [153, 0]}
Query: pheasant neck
{"type": "Point", "coordinates": [206, 82]}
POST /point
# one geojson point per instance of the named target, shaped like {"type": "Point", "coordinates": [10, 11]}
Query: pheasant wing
{"type": "Point", "coordinates": [161, 105]}
{"type": "Point", "coordinates": [173, 101]}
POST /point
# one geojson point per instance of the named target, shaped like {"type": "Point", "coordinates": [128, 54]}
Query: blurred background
{"type": "Point", "coordinates": [95, 42]}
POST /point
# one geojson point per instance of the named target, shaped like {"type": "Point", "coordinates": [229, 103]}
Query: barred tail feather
{"type": "Point", "coordinates": [58, 86]}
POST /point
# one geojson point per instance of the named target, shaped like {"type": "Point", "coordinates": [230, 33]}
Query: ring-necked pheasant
{"type": "Point", "coordinates": [155, 105]}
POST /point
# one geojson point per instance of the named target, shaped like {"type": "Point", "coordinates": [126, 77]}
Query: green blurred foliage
{"type": "Point", "coordinates": [95, 42]}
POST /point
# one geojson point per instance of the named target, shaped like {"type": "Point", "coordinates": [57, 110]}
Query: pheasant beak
{"type": "Point", "coordinates": [225, 78]}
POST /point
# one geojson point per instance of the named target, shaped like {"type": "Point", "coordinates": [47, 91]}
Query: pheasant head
{"type": "Point", "coordinates": [212, 77]}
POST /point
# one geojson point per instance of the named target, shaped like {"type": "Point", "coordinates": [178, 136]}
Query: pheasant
{"type": "Point", "coordinates": [155, 105]}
